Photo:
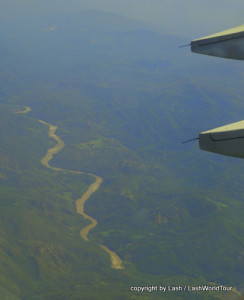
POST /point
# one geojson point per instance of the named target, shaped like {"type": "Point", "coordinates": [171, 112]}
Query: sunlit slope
{"type": "Point", "coordinates": [168, 211]}
{"type": "Point", "coordinates": [42, 254]}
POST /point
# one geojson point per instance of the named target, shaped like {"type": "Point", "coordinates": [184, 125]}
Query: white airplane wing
{"type": "Point", "coordinates": [228, 44]}
{"type": "Point", "coordinates": [228, 139]}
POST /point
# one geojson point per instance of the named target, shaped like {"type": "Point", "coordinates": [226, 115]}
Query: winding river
{"type": "Point", "coordinates": [116, 262]}
{"type": "Point", "coordinates": [26, 110]}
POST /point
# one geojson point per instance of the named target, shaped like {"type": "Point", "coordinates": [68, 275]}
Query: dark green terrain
{"type": "Point", "coordinates": [124, 97]}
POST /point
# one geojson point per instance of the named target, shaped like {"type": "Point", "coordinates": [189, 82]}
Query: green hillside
{"type": "Point", "coordinates": [123, 98]}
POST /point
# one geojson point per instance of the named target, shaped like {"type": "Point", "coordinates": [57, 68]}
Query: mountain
{"type": "Point", "coordinates": [123, 97]}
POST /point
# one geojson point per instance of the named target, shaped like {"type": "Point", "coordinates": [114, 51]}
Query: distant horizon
{"type": "Point", "coordinates": [179, 17]}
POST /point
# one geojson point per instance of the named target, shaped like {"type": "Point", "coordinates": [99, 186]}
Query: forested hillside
{"type": "Point", "coordinates": [123, 98]}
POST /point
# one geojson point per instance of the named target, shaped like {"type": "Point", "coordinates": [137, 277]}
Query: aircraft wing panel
{"type": "Point", "coordinates": [227, 140]}
{"type": "Point", "coordinates": [227, 44]}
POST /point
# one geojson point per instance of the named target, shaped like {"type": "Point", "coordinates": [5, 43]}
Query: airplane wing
{"type": "Point", "coordinates": [227, 44]}
{"type": "Point", "coordinates": [228, 139]}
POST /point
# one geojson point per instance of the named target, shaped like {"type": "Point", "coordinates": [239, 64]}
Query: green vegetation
{"type": "Point", "coordinates": [123, 102]}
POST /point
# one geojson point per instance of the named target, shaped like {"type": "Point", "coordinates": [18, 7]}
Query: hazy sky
{"type": "Point", "coordinates": [189, 18]}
